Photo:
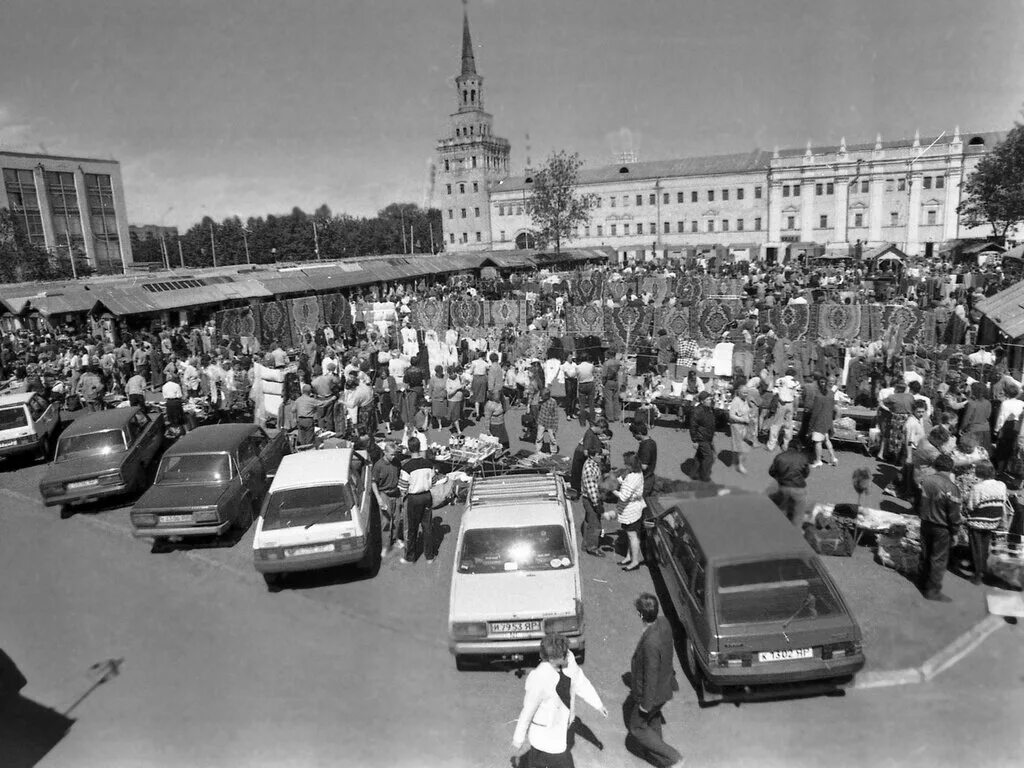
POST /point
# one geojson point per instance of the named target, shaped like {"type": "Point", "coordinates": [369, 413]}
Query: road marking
{"type": "Point", "coordinates": [243, 575]}
{"type": "Point", "coordinates": [960, 647]}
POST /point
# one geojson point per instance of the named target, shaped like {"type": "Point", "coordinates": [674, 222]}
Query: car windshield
{"type": "Point", "coordinates": [12, 418]}
{"type": "Point", "coordinates": [532, 548]}
{"type": "Point", "coordinates": [104, 443]}
{"type": "Point", "coordinates": [785, 589]}
{"type": "Point", "coordinates": [296, 507]}
{"type": "Point", "coordinates": [202, 468]}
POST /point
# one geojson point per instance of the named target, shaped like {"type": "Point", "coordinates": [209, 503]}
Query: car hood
{"type": "Point", "coordinates": [514, 595]}
{"type": "Point", "coordinates": [87, 466]}
{"type": "Point", "coordinates": [179, 497]}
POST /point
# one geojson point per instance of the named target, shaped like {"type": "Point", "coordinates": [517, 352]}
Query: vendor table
{"type": "Point", "coordinates": [868, 520]}
{"type": "Point", "coordinates": [485, 461]}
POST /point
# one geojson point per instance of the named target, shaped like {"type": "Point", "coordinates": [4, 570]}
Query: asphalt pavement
{"type": "Point", "coordinates": [337, 669]}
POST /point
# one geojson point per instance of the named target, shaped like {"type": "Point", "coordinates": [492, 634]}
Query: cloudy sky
{"type": "Point", "coordinates": [225, 107]}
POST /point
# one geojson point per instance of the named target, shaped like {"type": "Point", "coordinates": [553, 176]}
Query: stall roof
{"type": "Point", "coordinates": [510, 259]}
{"type": "Point", "coordinates": [881, 250]}
{"type": "Point", "coordinates": [14, 305]}
{"type": "Point", "coordinates": [1015, 253]}
{"type": "Point", "coordinates": [1006, 310]}
{"type": "Point", "coordinates": [973, 249]}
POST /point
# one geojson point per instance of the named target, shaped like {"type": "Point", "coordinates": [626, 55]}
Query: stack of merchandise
{"type": "Point", "coordinates": [900, 547]}
{"type": "Point", "coordinates": [1006, 560]}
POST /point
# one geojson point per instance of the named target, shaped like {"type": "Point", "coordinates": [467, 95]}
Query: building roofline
{"type": "Point", "coordinates": [11, 153]}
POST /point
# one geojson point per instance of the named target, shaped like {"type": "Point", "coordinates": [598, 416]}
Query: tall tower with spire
{"type": "Point", "coordinates": [470, 159]}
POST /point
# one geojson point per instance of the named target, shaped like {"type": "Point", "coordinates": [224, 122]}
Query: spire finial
{"type": "Point", "coordinates": [956, 133]}
{"type": "Point", "coordinates": [775, 153]}
{"type": "Point", "coordinates": [808, 153]}
{"type": "Point", "coordinates": [917, 138]}
{"type": "Point", "coordinates": [842, 144]}
{"type": "Point", "coordinates": [468, 62]}
{"type": "Point", "coordinates": [878, 141]}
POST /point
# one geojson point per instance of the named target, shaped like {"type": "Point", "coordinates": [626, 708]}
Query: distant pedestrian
{"type": "Point", "coordinates": [646, 453]}
{"type": "Point", "coordinates": [652, 681]}
{"type": "Point", "coordinates": [547, 423]}
{"type": "Point", "coordinates": [702, 433]}
{"type": "Point", "coordinates": [592, 497]}
{"type": "Point", "coordinates": [790, 470]}
{"type": "Point", "coordinates": [630, 508]}
{"type": "Point", "coordinates": [939, 510]}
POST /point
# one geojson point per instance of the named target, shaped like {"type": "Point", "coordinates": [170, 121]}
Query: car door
{"type": "Point", "coordinates": [148, 436]}
{"type": "Point", "coordinates": [45, 415]}
{"type": "Point", "coordinates": [271, 449]}
{"type": "Point", "coordinates": [252, 473]}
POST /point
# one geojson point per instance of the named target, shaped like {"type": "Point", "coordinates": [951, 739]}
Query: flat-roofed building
{"type": "Point", "coordinates": [69, 204]}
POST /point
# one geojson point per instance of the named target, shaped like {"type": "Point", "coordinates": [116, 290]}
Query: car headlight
{"type": "Point", "coordinates": [469, 630]}
{"type": "Point", "coordinates": [143, 519]}
{"type": "Point", "coordinates": [205, 514]}
{"type": "Point", "coordinates": [566, 624]}
{"type": "Point", "coordinates": [111, 477]}
{"type": "Point", "coordinates": [51, 489]}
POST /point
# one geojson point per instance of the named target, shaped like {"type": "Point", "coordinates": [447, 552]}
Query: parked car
{"type": "Point", "coordinates": [517, 571]}
{"type": "Point", "coordinates": [103, 454]}
{"type": "Point", "coordinates": [759, 610]}
{"type": "Point", "coordinates": [320, 513]}
{"type": "Point", "coordinates": [29, 423]}
{"type": "Point", "coordinates": [211, 479]}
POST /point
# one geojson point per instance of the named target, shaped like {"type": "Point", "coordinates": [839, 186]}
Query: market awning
{"type": "Point", "coordinates": [974, 249]}
{"type": "Point", "coordinates": [885, 249]}
{"type": "Point", "coordinates": [69, 301]}
{"type": "Point", "coordinates": [15, 306]}
{"type": "Point", "coordinates": [1006, 310]}
{"type": "Point", "coordinates": [1015, 253]}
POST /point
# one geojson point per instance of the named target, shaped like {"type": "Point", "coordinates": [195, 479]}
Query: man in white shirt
{"type": "Point", "coordinates": [787, 389]}
{"type": "Point", "coordinates": [397, 366]}
{"type": "Point", "coordinates": [585, 389]}
{"type": "Point", "coordinates": [568, 374]}
{"type": "Point", "coordinates": [172, 395]}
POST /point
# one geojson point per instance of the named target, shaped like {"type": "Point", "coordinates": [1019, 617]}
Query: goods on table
{"type": "Point", "coordinates": [1006, 560]}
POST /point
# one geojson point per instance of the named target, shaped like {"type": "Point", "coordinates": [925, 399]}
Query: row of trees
{"type": "Point", "coordinates": [299, 236]}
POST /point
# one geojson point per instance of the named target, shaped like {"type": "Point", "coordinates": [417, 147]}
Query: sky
{"type": "Point", "coordinates": [248, 107]}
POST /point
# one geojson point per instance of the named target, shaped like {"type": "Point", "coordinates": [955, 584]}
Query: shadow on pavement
{"type": "Point", "coordinates": [28, 730]}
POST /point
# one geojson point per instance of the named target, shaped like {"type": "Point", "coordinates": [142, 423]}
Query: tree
{"type": "Point", "coordinates": [556, 207]}
{"type": "Point", "coordinates": [21, 260]}
{"type": "Point", "coordinates": [994, 193]}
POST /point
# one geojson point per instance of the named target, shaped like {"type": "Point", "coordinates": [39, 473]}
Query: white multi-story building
{"type": "Point", "coordinates": [69, 204]}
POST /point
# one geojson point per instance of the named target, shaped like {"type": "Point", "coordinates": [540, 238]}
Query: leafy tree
{"type": "Point", "coordinates": [995, 190]}
{"type": "Point", "coordinates": [22, 261]}
{"type": "Point", "coordinates": [556, 207]}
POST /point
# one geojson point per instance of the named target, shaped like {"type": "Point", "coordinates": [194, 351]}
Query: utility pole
{"type": "Point", "coordinates": [213, 244]}
{"type": "Point", "coordinates": [163, 249]}
{"type": "Point", "coordinates": [316, 241]}
{"type": "Point", "coordinates": [412, 240]}
{"type": "Point", "coordinates": [401, 215]}
{"type": "Point", "coordinates": [432, 238]}
{"type": "Point", "coordinates": [181, 256]}
{"type": "Point", "coordinates": [71, 255]}
{"type": "Point", "coordinates": [245, 241]}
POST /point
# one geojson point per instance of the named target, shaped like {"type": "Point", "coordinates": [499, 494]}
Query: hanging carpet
{"type": "Point", "coordinates": [430, 314]}
{"type": "Point", "coordinates": [335, 311]}
{"type": "Point", "coordinates": [587, 320]}
{"type": "Point", "coordinates": [586, 287]}
{"type": "Point", "coordinates": [791, 322]}
{"type": "Point", "coordinates": [305, 316]}
{"type": "Point", "coordinates": [467, 316]}
{"type": "Point", "coordinates": [690, 289]}
{"type": "Point", "coordinates": [246, 322]}
{"type": "Point", "coordinates": [676, 321]}
{"type": "Point", "coordinates": [659, 287]}
{"type": "Point", "coordinates": [715, 316]}
{"type": "Point", "coordinates": [839, 321]}
{"type": "Point", "coordinates": [504, 312]}
{"type": "Point", "coordinates": [274, 324]}
{"type": "Point", "coordinates": [627, 325]}
{"type": "Point", "coordinates": [907, 319]}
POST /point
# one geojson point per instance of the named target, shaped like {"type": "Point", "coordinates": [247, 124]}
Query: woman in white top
{"type": "Point", "coordinates": [549, 706]}
{"type": "Point", "coordinates": [631, 507]}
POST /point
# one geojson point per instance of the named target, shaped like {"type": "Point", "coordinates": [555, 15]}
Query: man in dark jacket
{"type": "Point", "coordinates": [702, 433]}
{"type": "Point", "coordinates": [652, 682]}
{"type": "Point", "coordinates": [790, 470]}
{"type": "Point", "coordinates": [939, 509]}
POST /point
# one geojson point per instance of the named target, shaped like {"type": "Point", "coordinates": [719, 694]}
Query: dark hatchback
{"type": "Point", "coordinates": [761, 613]}
{"type": "Point", "coordinates": [211, 479]}
{"type": "Point", "coordinates": [103, 454]}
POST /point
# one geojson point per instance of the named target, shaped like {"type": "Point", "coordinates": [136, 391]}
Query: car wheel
{"type": "Point", "coordinates": [65, 511]}
{"type": "Point", "coordinates": [273, 581]}
{"type": "Point", "coordinates": [247, 516]}
{"type": "Point", "coordinates": [704, 694]}
{"type": "Point", "coordinates": [463, 664]}
{"type": "Point", "coordinates": [370, 564]}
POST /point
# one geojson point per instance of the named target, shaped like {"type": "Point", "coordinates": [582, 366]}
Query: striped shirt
{"type": "Point", "coordinates": [631, 498]}
{"type": "Point", "coordinates": [417, 476]}
{"type": "Point", "coordinates": [591, 480]}
{"type": "Point", "coordinates": [986, 505]}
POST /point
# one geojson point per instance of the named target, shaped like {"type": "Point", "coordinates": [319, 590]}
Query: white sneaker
{"type": "Point", "coordinates": [817, 464]}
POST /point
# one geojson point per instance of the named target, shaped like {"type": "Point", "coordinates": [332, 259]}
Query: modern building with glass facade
{"type": "Point", "coordinates": [69, 205]}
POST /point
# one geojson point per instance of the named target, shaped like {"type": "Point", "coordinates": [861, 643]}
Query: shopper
{"type": "Point", "coordinates": [702, 433]}
{"type": "Point", "coordinates": [939, 510]}
{"type": "Point", "coordinates": [821, 415]}
{"type": "Point", "coordinates": [630, 494]}
{"type": "Point", "coordinates": [986, 508]}
{"type": "Point", "coordinates": [592, 497]}
{"type": "Point", "coordinates": [414, 483]}
{"type": "Point", "coordinates": [740, 416]}
{"type": "Point", "coordinates": [646, 453]}
{"type": "Point", "coordinates": [652, 681]}
{"type": "Point", "coordinates": [790, 470]}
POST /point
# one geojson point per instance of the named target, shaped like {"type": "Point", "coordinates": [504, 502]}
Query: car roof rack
{"type": "Point", "coordinates": [520, 488]}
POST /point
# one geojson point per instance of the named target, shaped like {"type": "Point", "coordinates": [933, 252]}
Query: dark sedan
{"type": "Point", "coordinates": [101, 455]}
{"type": "Point", "coordinates": [213, 478]}
{"type": "Point", "coordinates": [760, 612]}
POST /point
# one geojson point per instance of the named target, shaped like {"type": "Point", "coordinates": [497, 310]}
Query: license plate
{"type": "Point", "coordinates": [311, 550]}
{"type": "Point", "coordinates": [83, 484]}
{"type": "Point", "coordinates": [789, 655]}
{"type": "Point", "coordinates": [167, 519]}
{"type": "Point", "coordinates": [505, 627]}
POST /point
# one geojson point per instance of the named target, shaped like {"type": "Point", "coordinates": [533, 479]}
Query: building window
{"type": "Point", "coordinates": [796, 190]}
{"type": "Point", "coordinates": [791, 222]}
{"type": "Point", "coordinates": [927, 181]}
{"type": "Point", "coordinates": [711, 195]}
{"type": "Point", "coordinates": [474, 161]}
{"type": "Point", "coordinates": [67, 221]}
{"type": "Point", "coordinates": [451, 213]}
{"type": "Point", "coordinates": [940, 182]}
{"type": "Point", "coordinates": [757, 222]}
{"type": "Point", "coordinates": [478, 237]}
{"type": "Point", "coordinates": [449, 189]}
{"type": "Point", "coordinates": [665, 198]}
{"type": "Point", "coordinates": [625, 229]}
{"type": "Point", "coordinates": [452, 237]}
{"type": "Point", "coordinates": [757, 193]}
{"type": "Point", "coordinates": [931, 217]}
{"type": "Point", "coordinates": [830, 188]}
{"type": "Point", "coordinates": [739, 193]}
{"type": "Point", "coordinates": [858, 219]}
{"type": "Point", "coordinates": [725, 195]}
{"type": "Point", "coordinates": [24, 203]}
{"type": "Point", "coordinates": [668, 227]}
{"type": "Point", "coordinates": [639, 200]}
{"type": "Point", "coordinates": [106, 247]}
{"type": "Point", "coordinates": [739, 225]}
{"type": "Point", "coordinates": [693, 196]}
{"type": "Point", "coordinates": [501, 210]}
{"type": "Point", "coordinates": [519, 210]}
{"type": "Point", "coordinates": [612, 232]}
{"type": "Point", "coordinates": [586, 231]}
{"type": "Point", "coordinates": [819, 189]}
{"type": "Point", "coordinates": [625, 201]}
{"type": "Point", "coordinates": [476, 212]}
{"type": "Point", "coordinates": [462, 189]}
{"type": "Point", "coordinates": [502, 235]}
{"type": "Point", "coordinates": [612, 200]}
{"type": "Point", "coordinates": [447, 166]}
{"type": "Point", "coordinates": [679, 197]}
{"type": "Point", "coordinates": [725, 225]}
{"type": "Point", "coordinates": [463, 213]}
{"type": "Point", "coordinates": [711, 225]}
{"type": "Point", "coordinates": [652, 199]}
{"type": "Point", "coordinates": [865, 186]}
{"type": "Point", "coordinates": [901, 185]}
{"type": "Point", "coordinates": [600, 231]}
{"type": "Point", "coordinates": [823, 222]}
{"type": "Point", "coordinates": [785, 190]}
{"type": "Point", "coordinates": [693, 226]}
{"type": "Point", "coordinates": [680, 226]}
{"type": "Point", "coordinates": [894, 219]}
{"type": "Point", "coordinates": [476, 187]}
{"type": "Point", "coordinates": [653, 228]}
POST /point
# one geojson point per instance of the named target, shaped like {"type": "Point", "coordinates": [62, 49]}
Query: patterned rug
{"type": "Point", "coordinates": [335, 311]}
{"type": "Point", "coordinates": [430, 314]}
{"type": "Point", "coordinates": [627, 325]}
{"type": "Point", "coordinates": [533, 345]}
{"type": "Point", "coordinates": [467, 315]}
{"type": "Point", "coordinates": [690, 289]}
{"type": "Point", "coordinates": [714, 316]}
{"type": "Point", "coordinates": [659, 287]}
{"type": "Point", "coordinates": [791, 322]}
{"type": "Point", "coordinates": [275, 327]}
{"type": "Point", "coordinates": [586, 287]}
{"type": "Point", "coordinates": [504, 312]}
{"type": "Point", "coordinates": [907, 319]}
{"type": "Point", "coordinates": [871, 322]}
{"type": "Point", "coordinates": [617, 290]}
{"type": "Point", "coordinates": [839, 321]}
{"type": "Point", "coordinates": [226, 323]}
{"type": "Point", "coordinates": [677, 321]}
{"type": "Point", "coordinates": [246, 322]}
{"type": "Point", "coordinates": [587, 320]}
{"type": "Point", "coordinates": [305, 316]}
